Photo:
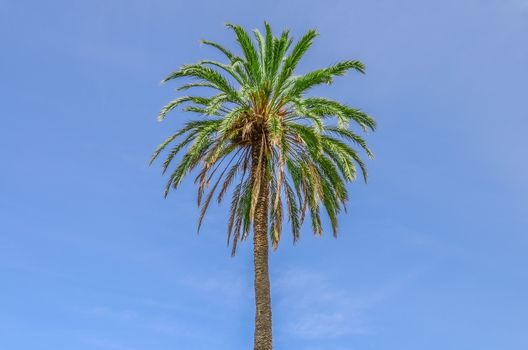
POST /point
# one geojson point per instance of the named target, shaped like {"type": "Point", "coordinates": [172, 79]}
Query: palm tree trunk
{"type": "Point", "coordinates": [263, 333]}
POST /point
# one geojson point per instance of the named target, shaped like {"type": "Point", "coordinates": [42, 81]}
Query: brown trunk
{"type": "Point", "coordinates": [263, 337]}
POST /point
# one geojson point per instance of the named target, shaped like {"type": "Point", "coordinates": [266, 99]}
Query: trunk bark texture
{"type": "Point", "coordinates": [263, 330]}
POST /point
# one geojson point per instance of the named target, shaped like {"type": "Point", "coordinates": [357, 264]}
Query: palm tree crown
{"type": "Point", "coordinates": [259, 129]}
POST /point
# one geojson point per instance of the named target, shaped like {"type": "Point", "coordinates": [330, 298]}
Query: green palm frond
{"type": "Point", "coordinates": [258, 128]}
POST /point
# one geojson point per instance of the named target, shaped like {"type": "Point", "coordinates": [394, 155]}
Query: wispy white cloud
{"type": "Point", "coordinates": [221, 290]}
{"type": "Point", "coordinates": [327, 324]}
{"type": "Point", "coordinates": [225, 286]}
{"type": "Point", "coordinates": [144, 321]}
{"type": "Point", "coordinates": [172, 329]}
{"type": "Point", "coordinates": [316, 307]}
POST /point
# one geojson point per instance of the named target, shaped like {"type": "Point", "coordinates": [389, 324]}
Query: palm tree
{"type": "Point", "coordinates": [283, 151]}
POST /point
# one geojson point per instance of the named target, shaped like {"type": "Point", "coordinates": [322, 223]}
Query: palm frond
{"type": "Point", "coordinates": [258, 131]}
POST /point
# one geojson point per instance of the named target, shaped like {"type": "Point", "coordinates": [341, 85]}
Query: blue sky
{"type": "Point", "coordinates": [432, 254]}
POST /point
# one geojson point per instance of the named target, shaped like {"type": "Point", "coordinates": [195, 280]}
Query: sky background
{"type": "Point", "coordinates": [432, 254]}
